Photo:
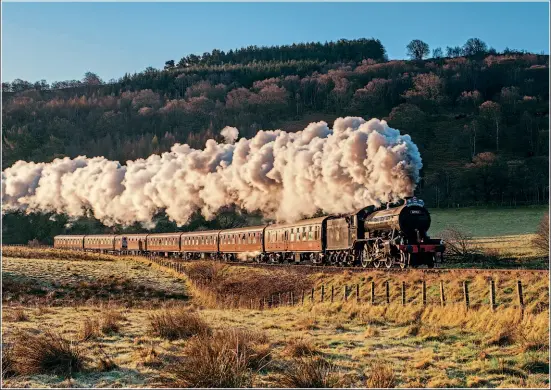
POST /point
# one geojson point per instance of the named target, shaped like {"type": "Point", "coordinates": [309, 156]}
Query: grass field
{"type": "Point", "coordinates": [488, 222]}
{"type": "Point", "coordinates": [154, 328]}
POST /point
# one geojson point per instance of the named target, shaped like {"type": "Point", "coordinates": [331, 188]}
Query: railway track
{"type": "Point", "coordinates": [324, 268]}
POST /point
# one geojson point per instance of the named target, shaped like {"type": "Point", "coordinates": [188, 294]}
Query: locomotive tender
{"type": "Point", "coordinates": [393, 235]}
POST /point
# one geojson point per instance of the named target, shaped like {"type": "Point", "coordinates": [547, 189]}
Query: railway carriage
{"type": "Point", "coordinates": [244, 242]}
{"type": "Point", "coordinates": [167, 243]}
{"type": "Point", "coordinates": [100, 242]}
{"type": "Point", "coordinates": [131, 243]}
{"type": "Point", "coordinates": [69, 242]}
{"type": "Point", "coordinates": [302, 240]}
{"type": "Point", "coordinates": [197, 245]}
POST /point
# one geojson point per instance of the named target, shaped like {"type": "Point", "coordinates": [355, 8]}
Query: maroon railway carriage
{"type": "Point", "coordinates": [200, 244]}
{"type": "Point", "coordinates": [302, 240]}
{"type": "Point", "coordinates": [100, 242]}
{"type": "Point", "coordinates": [163, 243]}
{"type": "Point", "coordinates": [69, 242]}
{"type": "Point", "coordinates": [242, 243]}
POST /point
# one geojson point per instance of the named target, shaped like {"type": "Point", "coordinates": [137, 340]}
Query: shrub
{"type": "Point", "coordinates": [47, 353]}
{"type": "Point", "coordinates": [459, 244]}
{"type": "Point", "coordinates": [311, 372]}
{"type": "Point", "coordinates": [177, 323]}
{"type": "Point", "coordinates": [227, 358]}
{"type": "Point", "coordinates": [381, 376]}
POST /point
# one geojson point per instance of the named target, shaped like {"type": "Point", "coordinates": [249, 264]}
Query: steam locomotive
{"type": "Point", "coordinates": [394, 235]}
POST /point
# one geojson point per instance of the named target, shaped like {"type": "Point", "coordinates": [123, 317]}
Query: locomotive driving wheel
{"type": "Point", "coordinates": [365, 259]}
{"type": "Point", "coordinates": [403, 261]}
{"type": "Point", "coordinates": [388, 262]}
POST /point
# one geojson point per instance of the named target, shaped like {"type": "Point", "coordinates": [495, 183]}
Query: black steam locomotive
{"type": "Point", "coordinates": [395, 234]}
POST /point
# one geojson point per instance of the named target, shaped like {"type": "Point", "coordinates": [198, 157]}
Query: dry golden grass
{"type": "Point", "coordinates": [177, 323]}
{"type": "Point", "coordinates": [19, 315]}
{"type": "Point", "coordinates": [432, 345]}
{"type": "Point", "coordinates": [47, 353]}
{"type": "Point", "coordinates": [309, 372]}
{"type": "Point", "coordinates": [228, 358]}
{"type": "Point", "coordinates": [51, 253]}
{"type": "Point", "coordinates": [300, 347]}
{"type": "Point", "coordinates": [89, 329]}
{"type": "Point", "coordinates": [380, 376]}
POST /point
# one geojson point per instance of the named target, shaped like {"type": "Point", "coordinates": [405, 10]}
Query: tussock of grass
{"type": "Point", "coordinates": [380, 376]}
{"type": "Point", "coordinates": [19, 315]}
{"type": "Point", "coordinates": [177, 323]}
{"type": "Point", "coordinates": [299, 347]}
{"type": "Point", "coordinates": [7, 360]}
{"type": "Point", "coordinates": [310, 372]}
{"type": "Point", "coordinates": [109, 322]}
{"type": "Point", "coordinates": [147, 356]}
{"type": "Point", "coordinates": [227, 358]}
{"type": "Point", "coordinates": [46, 353]}
{"type": "Point", "coordinates": [372, 331]}
{"type": "Point", "coordinates": [89, 329]}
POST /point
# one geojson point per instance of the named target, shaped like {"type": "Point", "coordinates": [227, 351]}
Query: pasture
{"type": "Point", "coordinates": [488, 222]}
{"type": "Point", "coordinates": [137, 324]}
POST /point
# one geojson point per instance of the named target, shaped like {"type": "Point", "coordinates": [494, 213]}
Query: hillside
{"type": "Point", "coordinates": [480, 120]}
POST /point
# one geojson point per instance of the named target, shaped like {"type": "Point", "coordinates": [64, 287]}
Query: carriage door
{"type": "Point", "coordinates": [352, 229]}
{"type": "Point", "coordinates": [124, 244]}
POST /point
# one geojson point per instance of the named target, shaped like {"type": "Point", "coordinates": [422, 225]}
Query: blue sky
{"type": "Point", "coordinates": [60, 41]}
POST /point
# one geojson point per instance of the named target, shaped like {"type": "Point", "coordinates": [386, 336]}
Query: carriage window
{"type": "Point", "coordinates": [310, 234]}
{"type": "Point", "coordinates": [292, 234]}
{"type": "Point", "coordinates": [317, 233]}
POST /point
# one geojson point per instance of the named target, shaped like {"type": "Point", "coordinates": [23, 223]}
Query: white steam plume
{"type": "Point", "coordinates": [286, 176]}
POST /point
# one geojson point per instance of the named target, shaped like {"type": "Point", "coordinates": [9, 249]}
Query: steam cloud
{"type": "Point", "coordinates": [287, 176]}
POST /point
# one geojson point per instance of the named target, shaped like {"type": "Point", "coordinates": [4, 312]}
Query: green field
{"type": "Point", "coordinates": [486, 222]}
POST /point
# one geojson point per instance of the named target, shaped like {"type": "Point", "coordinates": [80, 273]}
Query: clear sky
{"type": "Point", "coordinates": [61, 41]}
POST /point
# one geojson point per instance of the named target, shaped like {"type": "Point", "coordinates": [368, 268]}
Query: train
{"type": "Point", "coordinates": [392, 235]}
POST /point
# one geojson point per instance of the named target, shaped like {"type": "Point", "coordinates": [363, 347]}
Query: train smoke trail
{"type": "Point", "coordinates": [286, 176]}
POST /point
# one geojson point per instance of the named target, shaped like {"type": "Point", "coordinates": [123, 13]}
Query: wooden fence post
{"type": "Point", "coordinates": [403, 293]}
{"type": "Point", "coordinates": [358, 293]}
{"type": "Point", "coordinates": [278, 299]}
{"type": "Point", "coordinates": [466, 294]}
{"type": "Point", "coordinates": [312, 295]}
{"type": "Point", "coordinates": [345, 293]}
{"type": "Point", "coordinates": [492, 294]}
{"type": "Point", "coordinates": [292, 299]}
{"type": "Point", "coordinates": [372, 293]}
{"type": "Point", "coordinates": [520, 298]}
{"type": "Point", "coordinates": [424, 292]}
{"type": "Point", "coordinates": [387, 286]}
{"type": "Point", "coordinates": [322, 293]}
{"type": "Point", "coordinates": [442, 296]}
{"type": "Point", "coordinates": [332, 293]}
{"type": "Point", "coordinates": [303, 296]}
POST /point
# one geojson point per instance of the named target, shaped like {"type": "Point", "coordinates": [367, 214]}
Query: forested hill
{"type": "Point", "coordinates": [479, 117]}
